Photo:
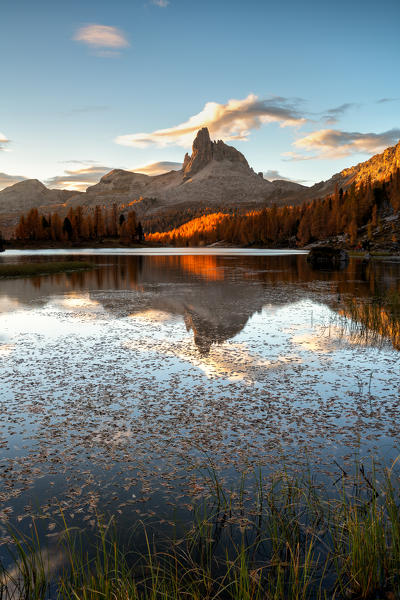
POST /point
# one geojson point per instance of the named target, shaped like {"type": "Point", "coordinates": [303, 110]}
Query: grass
{"type": "Point", "coordinates": [42, 268]}
{"type": "Point", "coordinates": [375, 320]}
{"type": "Point", "coordinates": [294, 542]}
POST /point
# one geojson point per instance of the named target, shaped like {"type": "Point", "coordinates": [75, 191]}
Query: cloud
{"type": "Point", "coordinates": [332, 115]}
{"type": "Point", "coordinates": [6, 180]}
{"type": "Point", "coordinates": [78, 179]}
{"type": "Point", "coordinates": [158, 168]}
{"type": "Point", "coordinates": [231, 121]}
{"type": "Point", "coordinates": [332, 143]}
{"type": "Point", "coordinates": [104, 39]}
{"type": "Point", "coordinates": [3, 142]}
{"type": "Point", "coordinates": [294, 156]}
{"type": "Point", "coordinates": [90, 172]}
{"type": "Point", "coordinates": [273, 175]}
{"type": "Point", "coordinates": [384, 100]}
{"type": "Point", "coordinates": [160, 3]}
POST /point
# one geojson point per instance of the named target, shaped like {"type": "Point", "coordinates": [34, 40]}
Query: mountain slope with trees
{"type": "Point", "coordinates": [216, 196]}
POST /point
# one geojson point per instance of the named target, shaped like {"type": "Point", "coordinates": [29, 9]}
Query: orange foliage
{"type": "Point", "coordinates": [342, 213]}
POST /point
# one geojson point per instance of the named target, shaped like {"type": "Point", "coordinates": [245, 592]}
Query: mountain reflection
{"type": "Point", "coordinates": [215, 295]}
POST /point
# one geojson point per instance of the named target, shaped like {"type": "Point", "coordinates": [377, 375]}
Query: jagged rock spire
{"type": "Point", "coordinates": [204, 151]}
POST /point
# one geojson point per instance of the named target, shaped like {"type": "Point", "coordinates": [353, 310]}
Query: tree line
{"type": "Point", "coordinates": [80, 224]}
{"type": "Point", "coordinates": [342, 213]}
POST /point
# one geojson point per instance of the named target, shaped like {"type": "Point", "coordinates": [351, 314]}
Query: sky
{"type": "Point", "coordinates": [303, 89]}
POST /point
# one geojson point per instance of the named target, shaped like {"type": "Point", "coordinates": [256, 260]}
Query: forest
{"type": "Point", "coordinates": [80, 224]}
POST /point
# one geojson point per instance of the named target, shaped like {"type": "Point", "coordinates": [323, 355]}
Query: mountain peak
{"type": "Point", "coordinates": [204, 151]}
{"type": "Point", "coordinates": [33, 185]}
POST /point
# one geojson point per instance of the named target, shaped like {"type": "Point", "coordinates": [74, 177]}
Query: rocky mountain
{"type": "Point", "coordinates": [31, 193]}
{"type": "Point", "coordinates": [376, 169]}
{"type": "Point", "coordinates": [204, 151]}
{"type": "Point", "coordinates": [215, 177]}
{"type": "Point", "coordinates": [19, 198]}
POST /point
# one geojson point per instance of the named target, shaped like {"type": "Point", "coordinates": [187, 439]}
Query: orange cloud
{"type": "Point", "coordinates": [231, 121]}
{"type": "Point", "coordinates": [332, 143]}
{"type": "Point", "coordinates": [3, 141]}
{"type": "Point", "coordinates": [101, 36]}
{"type": "Point", "coordinates": [6, 180]}
{"type": "Point", "coordinates": [158, 168]}
{"type": "Point", "coordinates": [79, 179]}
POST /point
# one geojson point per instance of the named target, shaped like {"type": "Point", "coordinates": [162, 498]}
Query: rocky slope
{"type": "Point", "coordinates": [378, 168]}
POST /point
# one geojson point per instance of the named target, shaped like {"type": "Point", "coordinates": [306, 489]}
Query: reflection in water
{"type": "Point", "coordinates": [223, 292]}
{"type": "Point", "coordinates": [115, 380]}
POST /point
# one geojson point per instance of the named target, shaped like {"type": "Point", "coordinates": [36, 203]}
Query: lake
{"type": "Point", "coordinates": [123, 387]}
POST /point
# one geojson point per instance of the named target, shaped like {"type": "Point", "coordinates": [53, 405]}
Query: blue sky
{"type": "Point", "coordinates": [296, 86]}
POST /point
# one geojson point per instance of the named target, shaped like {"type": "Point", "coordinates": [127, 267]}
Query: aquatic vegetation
{"type": "Point", "coordinates": [31, 269]}
{"type": "Point", "coordinates": [295, 541]}
{"type": "Point", "coordinates": [374, 320]}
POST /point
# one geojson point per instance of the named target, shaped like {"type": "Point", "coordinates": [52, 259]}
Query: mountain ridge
{"type": "Point", "coordinates": [215, 176]}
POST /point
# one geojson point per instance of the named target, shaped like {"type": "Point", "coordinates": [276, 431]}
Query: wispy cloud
{"type": "Point", "coordinates": [104, 39]}
{"type": "Point", "coordinates": [78, 179]}
{"type": "Point", "coordinates": [384, 100]}
{"type": "Point", "coordinates": [332, 115]}
{"type": "Point", "coordinates": [7, 180]}
{"type": "Point", "coordinates": [89, 173]}
{"type": "Point", "coordinates": [294, 156]}
{"type": "Point", "coordinates": [273, 175]}
{"type": "Point", "coordinates": [231, 121]}
{"type": "Point", "coordinates": [3, 142]}
{"type": "Point", "coordinates": [158, 168]}
{"type": "Point", "coordinates": [160, 3]}
{"type": "Point", "coordinates": [332, 143]}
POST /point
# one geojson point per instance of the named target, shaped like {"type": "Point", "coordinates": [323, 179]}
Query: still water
{"type": "Point", "coordinates": [120, 386]}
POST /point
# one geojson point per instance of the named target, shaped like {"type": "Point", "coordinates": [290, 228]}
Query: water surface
{"type": "Point", "coordinates": [120, 385]}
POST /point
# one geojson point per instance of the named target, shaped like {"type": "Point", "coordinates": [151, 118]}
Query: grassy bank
{"type": "Point", "coordinates": [296, 541]}
{"type": "Point", "coordinates": [30, 269]}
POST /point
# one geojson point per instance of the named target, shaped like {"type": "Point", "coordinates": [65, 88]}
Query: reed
{"type": "Point", "coordinates": [294, 541]}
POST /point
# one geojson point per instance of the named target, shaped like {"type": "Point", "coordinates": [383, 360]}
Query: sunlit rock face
{"type": "Point", "coordinates": [378, 168]}
{"type": "Point", "coordinates": [374, 170]}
